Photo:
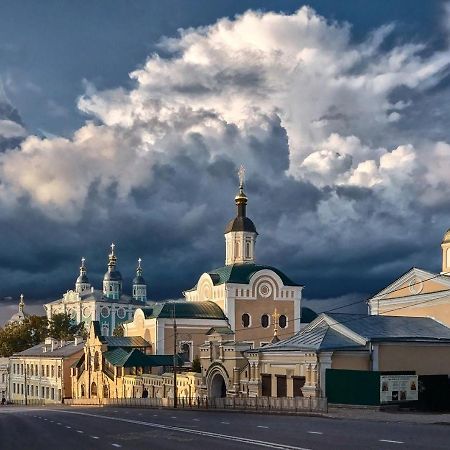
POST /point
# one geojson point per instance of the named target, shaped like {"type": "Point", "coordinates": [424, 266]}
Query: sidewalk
{"type": "Point", "coordinates": [388, 416]}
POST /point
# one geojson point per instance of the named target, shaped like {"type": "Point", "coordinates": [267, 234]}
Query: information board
{"type": "Point", "coordinates": [398, 388]}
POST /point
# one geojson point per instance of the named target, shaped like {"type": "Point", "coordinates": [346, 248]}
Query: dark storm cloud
{"type": "Point", "coordinates": [154, 168]}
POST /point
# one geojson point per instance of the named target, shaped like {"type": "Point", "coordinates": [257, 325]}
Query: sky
{"type": "Point", "coordinates": [126, 122]}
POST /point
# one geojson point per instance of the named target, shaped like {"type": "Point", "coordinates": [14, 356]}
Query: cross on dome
{"type": "Point", "coordinates": [241, 173]}
{"type": "Point", "coordinates": [112, 248]}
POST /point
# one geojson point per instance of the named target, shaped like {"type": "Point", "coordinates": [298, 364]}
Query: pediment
{"type": "Point", "coordinates": [414, 282]}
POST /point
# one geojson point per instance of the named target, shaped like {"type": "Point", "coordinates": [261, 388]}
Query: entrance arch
{"type": "Point", "coordinates": [217, 388]}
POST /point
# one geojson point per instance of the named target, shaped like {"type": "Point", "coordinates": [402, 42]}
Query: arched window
{"type": "Point", "coordinates": [264, 320]}
{"type": "Point", "coordinates": [186, 351]}
{"type": "Point", "coordinates": [247, 249]}
{"type": "Point", "coordinates": [82, 390]}
{"type": "Point", "coordinates": [245, 320]}
{"type": "Point", "coordinates": [96, 361]}
{"type": "Point", "coordinates": [93, 390]}
{"type": "Point", "coordinates": [105, 391]}
{"type": "Point", "coordinates": [282, 321]}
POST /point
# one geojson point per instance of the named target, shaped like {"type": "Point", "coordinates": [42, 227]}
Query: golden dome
{"type": "Point", "coordinates": [241, 197]}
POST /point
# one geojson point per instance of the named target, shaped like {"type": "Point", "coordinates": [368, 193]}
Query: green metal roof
{"type": "Point", "coordinates": [125, 341]}
{"type": "Point", "coordinates": [220, 330]}
{"type": "Point", "coordinates": [135, 358]}
{"type": "Point", "coordinates": [242, 273]}
{"type": "Point", "coordinates": [185, 310]}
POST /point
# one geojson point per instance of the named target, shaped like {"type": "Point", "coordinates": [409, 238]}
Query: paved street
{"type": "Point", "coordinates": [106, 428]}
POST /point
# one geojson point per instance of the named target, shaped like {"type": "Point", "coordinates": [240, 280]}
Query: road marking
{"type": "Point", "coordinates": [315, 432]}
{"type": "Point", "coordinates": [261, 426]}
{"type": "Point", "coordinates": [225, 423]}
{"type": "Point", "coordinates": [155, 415]}
{"type": "Point", "coordinates": [196, 420]}
{"type": "Point", "coordinates": [209, 434]}
{"type": "Point", "coordinates": [79, 431]}
{"type": "Point", "coordinates": [68, 427]}
{"type": "Point", "coordinates": [391, 442]}
{"type": "Point", "coordinates": [51, 421]}
{"type": "Point", "coordinates": [139, 414]}
{"type": "Point", "coordinates": [59, 423]}
{"type": "Point", "coordinates": [173, 417]}
{"type": "Point", "coordinates": [95, 437]}
{"type": "Point", "coordinates": [116, 445]}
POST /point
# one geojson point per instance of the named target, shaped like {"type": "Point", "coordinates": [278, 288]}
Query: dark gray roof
{"type": "Point", "coordinates": [379, 328]}
{"type": "Point", "coordinates": [82, 279]}
{"type": "Point", "coordinates": [66, 350]}
{"type": "Point", "coordinates": [138, 279]}
{"type": "Point", "coordinates": [323, 337]}
{"type": "Point", "coordinates": [240, 224]}
{"type": "Point", "coordinates": [113, 275]}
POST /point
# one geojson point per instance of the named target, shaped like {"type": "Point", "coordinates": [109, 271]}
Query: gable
{"type": "Point", "coordinates": [414, 282]}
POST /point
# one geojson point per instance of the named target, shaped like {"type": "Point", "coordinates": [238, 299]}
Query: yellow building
{"type": "Point", "coordinates": [297, 366]}
{"type": "Point", "coordinates": [122, 367]}
{"type": "Point", "coordinates": [156, 325]}
{"type": "Point", "coordinates": [42, 373]}
{"type": "Point", "coordinates": [418, 293]}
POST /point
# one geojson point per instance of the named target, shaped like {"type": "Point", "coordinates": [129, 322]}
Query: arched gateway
{"type": "Point", "coordinates": [217, 383]}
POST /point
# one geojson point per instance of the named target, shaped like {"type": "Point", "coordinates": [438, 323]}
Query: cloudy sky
{"type": "Point", "coordinates": [127, 121]}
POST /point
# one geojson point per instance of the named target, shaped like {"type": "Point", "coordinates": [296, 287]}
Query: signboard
{"type": "Point", "coordinates": [398, 388]}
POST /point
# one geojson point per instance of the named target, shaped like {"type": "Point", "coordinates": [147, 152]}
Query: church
{"type": "Point", "coordinates": [110, 306]}
{"type": "Point", "coordinates": [247, 292]}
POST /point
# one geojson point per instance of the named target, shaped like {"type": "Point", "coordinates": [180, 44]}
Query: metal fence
{"type": "Point", "coordinates": [282, 404]}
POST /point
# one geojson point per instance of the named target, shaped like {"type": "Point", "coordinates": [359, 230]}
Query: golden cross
{"type": "Point", "coordinates": [275, 317]}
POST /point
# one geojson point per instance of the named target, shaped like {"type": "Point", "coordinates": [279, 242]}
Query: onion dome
{"type": "Point", "coordinates": [113, 274]}
{"type": "Point", "coordinates": [138, 279]}
{"type": "Point", "coordinates": [241, 222]}
{"type": "Point", "coordinates": [83, 278]}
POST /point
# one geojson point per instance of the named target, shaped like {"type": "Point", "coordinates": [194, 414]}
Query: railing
{"type": "Point", "coordinates": [282, 404]}
{"type": "Point", "coordinates": [29, 402]}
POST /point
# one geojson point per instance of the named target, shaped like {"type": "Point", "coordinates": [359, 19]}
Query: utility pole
{"type": "Point", "coordinates": [25, 382]}
{"type": "Point", "coordinates": [175, 360]}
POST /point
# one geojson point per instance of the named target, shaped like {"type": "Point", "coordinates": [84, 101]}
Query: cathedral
{"type": "Point", "coordinates": [109, 306]}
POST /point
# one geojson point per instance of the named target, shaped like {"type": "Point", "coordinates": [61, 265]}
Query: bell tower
{"type": "Point", "coordinates": [240, 233]}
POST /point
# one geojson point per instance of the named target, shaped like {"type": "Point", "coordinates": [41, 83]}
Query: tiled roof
{"type": "Point", "coordinates": [185, 310]}
{"type": "Point", "coordinates": [220, 330]}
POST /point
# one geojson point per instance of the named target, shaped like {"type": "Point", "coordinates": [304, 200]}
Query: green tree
{"type": "Point", "coordinates": [17, 337]}
{"type": "Point", "coordinates": [196, 365]}
{"type": "Point", "coordinates": [62, 327]}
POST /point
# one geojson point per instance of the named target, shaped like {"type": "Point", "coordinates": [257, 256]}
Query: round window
{"type": "Point", "coordinates": [282, 321]}
{"type": "Point", "coordinates": [104, 311]}
{"type": "Point", "coordinates": [264, 320]}
{"type": "Point", "coordinates": [121, 313]}
{"type": "Point", "coordinates": [86, 311]}
{"type": "Point", "coordinates": [265, 290]}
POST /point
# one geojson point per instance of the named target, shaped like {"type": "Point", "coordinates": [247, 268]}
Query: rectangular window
{"type": "Point", "coordinates": [47, 392]}
{"type": "Point", "coordinates": [21, 389]}
{"type": "Point", "coordinates": [43, 392]}
{"type": "Point", "coordinates": [14, 388]}
{"type": "Point", "coordinates": [298, 383]}
{"type": "Point", "coordinates": [53, 371]}
{"type": "Point", "coordinates": [281, 386]}
{"type": "Point", "coordinates": [266, 385]}
{"type": "Point", "coordinates": [47, 370]}
{"type": "Point", "coordinates": [53, 393]}
{"type": "Point", "coordinates": [59, 371]}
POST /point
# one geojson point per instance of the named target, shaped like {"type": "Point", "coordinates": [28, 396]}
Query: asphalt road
{"type": "Point", "coordinates": [108, 428]}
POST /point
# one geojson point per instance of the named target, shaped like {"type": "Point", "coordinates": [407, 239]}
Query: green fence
{"type": "Point", "coordinates": [353, 387]}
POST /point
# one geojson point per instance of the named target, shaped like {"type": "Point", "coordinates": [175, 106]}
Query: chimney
{"type": "Point", "coordinates": [78, 340]}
